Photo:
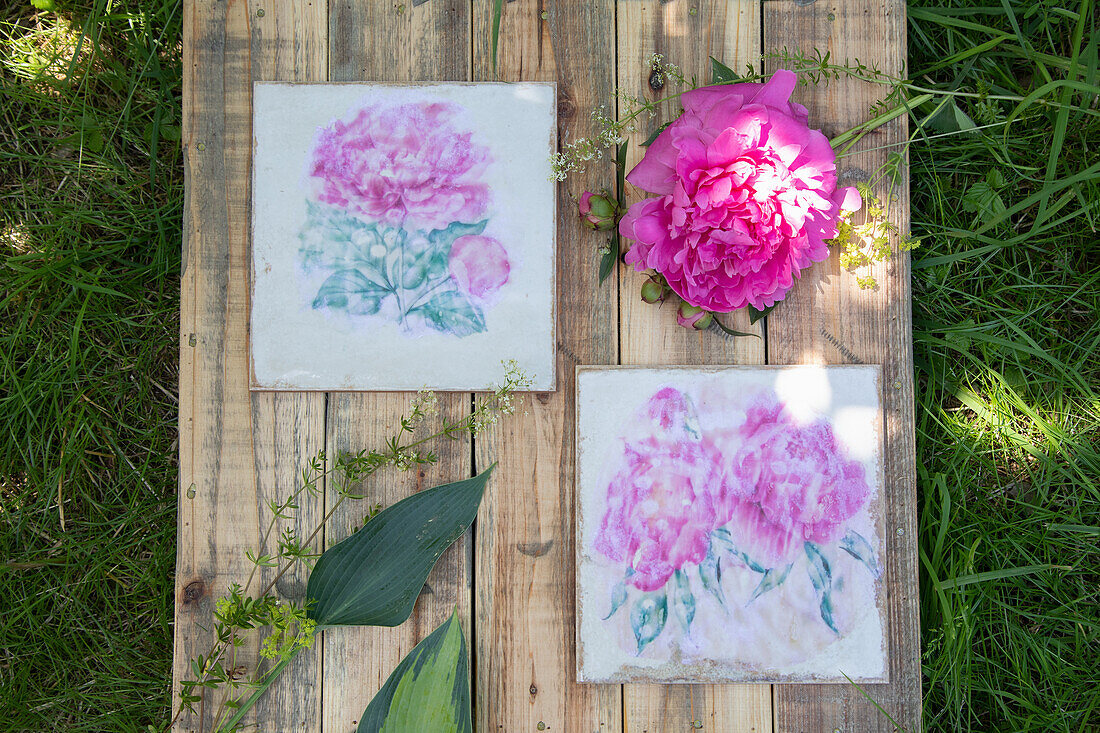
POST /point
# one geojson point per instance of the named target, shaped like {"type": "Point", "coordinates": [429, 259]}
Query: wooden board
{"type": "Point", "coordinates": [512, 581]}
{"type": "Point", "coordinates": [828, 319]}
{"type": "Point", "coordinates": [237, 452]}
{"type": "Point", "coordinates": [524, 653]}
{"type": "Point", "coordinates": [422, 42]}
{"type": "Point", "coordinates": [686, 33]}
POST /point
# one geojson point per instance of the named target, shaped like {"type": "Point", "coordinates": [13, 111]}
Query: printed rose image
{"type": "Point", "coordinates": [744, 197]}
{"type": "Point", "coordinates": [792, 484]}
{"type": "Point", "coordinates": [701, 493]}
{"type": "Point", "coordinates": [405, 166]}
{"type": "Point", "coordinates": [397, 212]}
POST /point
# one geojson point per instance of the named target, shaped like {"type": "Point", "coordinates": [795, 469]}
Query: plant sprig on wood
{"type": "Point", "coordinates": [289, 628]}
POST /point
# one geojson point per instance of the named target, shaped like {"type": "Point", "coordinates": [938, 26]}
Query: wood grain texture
{"type": "Point", "coordinates": [828, 319]}
{"type": "Point", "coordinates": [525, 653]}
{"type": "Point", "coordinates": [393, 42]}
{"type": "Point", "coordinates": [237, 451]}
{"type": "Point", "coordinates": [686, 33]}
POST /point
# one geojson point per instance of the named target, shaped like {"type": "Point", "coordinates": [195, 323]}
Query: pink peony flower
{"type": "Point", "coordinates": [405, 166]}
{"type": "Point", "coordinates": [789, 484]}
{"type": "Point", "coordinates": [479, 265]}
{"type": "Point", "coordinates": [664, 500]}
{"type": "Point", "coordinates": [745, 196]}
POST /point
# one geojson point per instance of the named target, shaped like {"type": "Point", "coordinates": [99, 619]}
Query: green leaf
{"type": "Point", "coordinates": [773, 578]}
{"type": "Point", "coordinates": [374, 576]}
{"type": "Point", "coordinates": [683, 600]}
{"type": "Point", "coordinates": [648, 616]}
{"type": "Point", "coordinates": [450, 312]}
{"type": "Point", "coordinates": [656, 133]}
{"type": "Point", "coordinates": [755, 315]}
{"type": "Point", "coordinates": [610, 257]}
{"type": "Point", "coordinates": [444, 238]}
{"type": "Point", "coordinates": [710, 574]}
{"type": "Point", "coordinates": [822, 577]}
{"type": "Point", "coordinates": [858, 547]}
{"type": "Point", "coordinates": [720, 73]}
{"type": "Point", "coordinates": [351, 290]}
{"type": "Point", "coordinates": [618, 594]}
{"type": "Point", "coordinates": [494, 38]}
{"type": "Point", "coordinates": [428, 691]}
{"type": "Point", "coordinates": [730, 331]}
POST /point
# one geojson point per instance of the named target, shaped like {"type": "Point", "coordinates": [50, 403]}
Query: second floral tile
{"type": "Point", "coordinates": [730, 525]}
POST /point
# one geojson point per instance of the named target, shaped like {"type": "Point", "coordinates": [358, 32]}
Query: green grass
{"type": "Point", "coordinates": [1006, 297]}
{"type": "Point", "coordinates": [90, 221]}
{"type": "Point", "coordinates": [1007, 352]}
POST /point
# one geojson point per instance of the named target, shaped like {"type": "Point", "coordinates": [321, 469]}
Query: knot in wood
{"type": "Point", "coordinates": [656, 80]}
{"type": "Point", "coordinates": [543, 398]}
{"type": "Point", "coordinates": [567, 108]}
{"type": "Point", "coordinates": [193, 591]}
{"type": "Point", "coordinates": [534, 690]}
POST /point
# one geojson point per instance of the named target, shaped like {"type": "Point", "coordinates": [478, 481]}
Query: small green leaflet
{"type": "Point", "coordinates": [656, 133]}
{"type": "Point", "coordinates": [351, 290]}
{"type": "Point", "coordinates": [618, 594]}
{"type": "Point", "coordinates": [858, 547]}
{"type": "Point", "coordinates": [683, 600]}
{"type": "Point", "coordinates": [773, 578]}
{"type": "Point", "coordinates": [822, 578]}
{"type": "Point", "coordinates": [720, 73]}
{"type": "Point", "coordinates": [614, 245]}
{"type": "Point", "coordinates": [428, 691]}
{"type": "Point", "coordinates": [755, 315]}
{"type": "Point", "coordinates": [449, 311]}
{"type": "Point", "coordinates": [729, 331]}
{"type": "Point", "coordinates": [648, 616]}
{"type": "Point", "coordinates": [374, 576]}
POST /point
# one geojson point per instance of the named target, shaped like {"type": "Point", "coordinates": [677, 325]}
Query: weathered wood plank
{"type": "Point", "coordinates": [686, 33]}
{"type": "Point", "coordinates": [393, 42]}
{"type": "Point", "coordinates": [828, 319]}
{"type": "Point", "coordinates": [525, 652]}
{"type": "Point", "coordinates": [237, 452]}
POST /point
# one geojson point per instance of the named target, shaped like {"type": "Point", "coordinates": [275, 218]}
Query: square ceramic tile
{"type": "Point", "coordinates": [730, 525]}
{"type": "Point", "coordinates": [402, 236]}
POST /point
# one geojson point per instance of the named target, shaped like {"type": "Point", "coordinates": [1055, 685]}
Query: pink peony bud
{"type": "Point", "coordinates": [598, 211]}
{"type": "Point", "coordinates": [691, 316]}
{"type": "Point", "coordinates": [479, 265]}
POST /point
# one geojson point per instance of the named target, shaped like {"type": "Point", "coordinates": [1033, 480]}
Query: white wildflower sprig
{"type": "Point", "coordinates": [288, 626]}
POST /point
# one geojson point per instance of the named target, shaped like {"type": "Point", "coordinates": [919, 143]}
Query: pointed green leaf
{"type": "Point", "coordinates": [373, 577]}
{"type": "Point", "coordinates": [858, 547]}
{"type": "Point", "coordinates": [755, 315]}
{"type": "Point", "coordinates": [450, 312]}
{"type": "Point", "coordinates": [648, 616]}
{"type": "Point", "coordinates": [653, 135]}
{"type": "Point", "coordinates": [428, 691]}
{"type": "Point", "coordinates": [351, 290]}
{"type": "Point", "coordinates": [773, 578]}
{"type": "Point", "coordinates": [610, 257]}
{"type": "Point", "coordinates": [683, 600]}
{"type": "Point", "coordinates": [720, 73]}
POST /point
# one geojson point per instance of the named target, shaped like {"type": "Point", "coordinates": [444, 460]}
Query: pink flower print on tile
{"type": "Point", "coordinates": [698, 492]}
{"type": "Point", "coordinates": [397, 216]}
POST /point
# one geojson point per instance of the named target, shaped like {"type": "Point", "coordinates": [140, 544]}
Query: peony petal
{"type": "Point", "coordinates": [849, 199]}
{"type": "Point", "coordinates": [655, 172]}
